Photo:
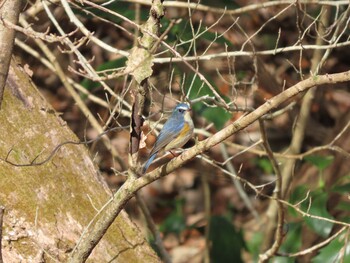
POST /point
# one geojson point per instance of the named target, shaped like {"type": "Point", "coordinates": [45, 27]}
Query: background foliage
{"type": "Point", "coordinates": [247, 56]}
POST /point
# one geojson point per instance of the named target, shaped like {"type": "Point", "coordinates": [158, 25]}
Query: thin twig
{"type": "Point", "coordinates": [251, 53]}
{"type": "Point", "coordinates": [277, 193]}
{"type": "Point", "coordinates": [60, 72]}
{"type": "Point", "coordinates": [170, 48]}
{"type": "Point", "coordinates": [296, 143]}
{"type": "Point", "coordinates": [315, 247]}
{"type": "Point", "coordinates": [238, 184]}
{"type": "Point", "coordinates": [86, 32]}
{"type": "Point", "coordinates": [241, 10]}
{"type": "Point", "coordinates": [55, 150]}
{"type": "Point", "coordinates": [344, 249]}
{"type": "Point", "coordinates": [152, 226]}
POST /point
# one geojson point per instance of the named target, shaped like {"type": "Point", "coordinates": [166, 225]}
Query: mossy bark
{"type": "Point", "coordinates": [47, 207]}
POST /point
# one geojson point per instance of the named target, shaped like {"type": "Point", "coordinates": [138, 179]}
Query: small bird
{"type": "Point", "coordinates": [177, 130]}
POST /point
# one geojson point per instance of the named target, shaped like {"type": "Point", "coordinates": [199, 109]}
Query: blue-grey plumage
{"type": "Point", "coordinates": [176, 131]}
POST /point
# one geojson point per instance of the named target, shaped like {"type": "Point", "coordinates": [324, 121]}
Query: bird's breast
{"type": "Point", "coordinates": [182, 138]}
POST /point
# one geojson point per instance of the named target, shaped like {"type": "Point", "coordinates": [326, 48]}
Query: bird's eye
{"type": "Point", "coordinates": [181, 110]}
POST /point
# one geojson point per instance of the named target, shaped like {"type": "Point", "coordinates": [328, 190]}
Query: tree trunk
{"type": "Point", "coordinates": [48, 206]}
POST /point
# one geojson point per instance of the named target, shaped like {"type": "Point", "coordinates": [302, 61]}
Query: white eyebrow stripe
{"type": "Point", "coordinates": [183, 108]}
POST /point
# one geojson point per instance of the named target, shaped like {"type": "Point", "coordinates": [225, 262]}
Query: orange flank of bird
{"type": "Point", "coordinates": [185, 130]}
{"type": "Point", "coordinates": [182, 135]}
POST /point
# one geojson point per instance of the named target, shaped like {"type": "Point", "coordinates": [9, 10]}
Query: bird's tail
{"type": "Point", "coordinates": [148, 163]}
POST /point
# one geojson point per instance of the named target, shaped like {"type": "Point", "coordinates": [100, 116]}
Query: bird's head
{"type": "Point", "coordinates": [183, 109]}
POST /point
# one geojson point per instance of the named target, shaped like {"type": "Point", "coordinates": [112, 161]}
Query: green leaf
{"type": "Point", "coordinates": [241, 74]}
{"type": "Point", "coordinates": [333, 251]}
{"type": "Point", "coordinates": [174, 223]}
{"type": "Point", "coordinates": [343, 206]}
{"type": "Point", "coordinates": [229, 4]}
{"type": "Point", "coordinates": [318, 208]}
{"type": "Point", "coordinates": [116, 63]}
{"type": "Point", "coordinates": [181, 31]}
{"type": "Point", "coordinates": [292, 242]}
{"type": "Point", "coordinates": [296, 196]}
{"type": "Point", "coordinates": [226, 241]}
{"type": "Point", "coordinates": [342, 189]}
{"type": "Point", "coordinates": [120, 7]}
{"type": "Point", "coordinates": [321, 162]}
{"type": "Point", "coordinates": [269, 40]}
{"type": "Point", "coordinates": [210, 36]}
{"type": "Point", "coordinates": [216, 115]}
{"type": "Point", "coordinates": [264, 164]}
{"type": "Point", "coordinates": [254, 245]}
{"type": "Point", "coordinates": [89, 84]}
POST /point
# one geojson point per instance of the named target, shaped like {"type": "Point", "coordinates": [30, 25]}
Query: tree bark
{"type": "Point", "coordinates": [9, 10]}
{"type": "Point", "coordinates": [47, 207]}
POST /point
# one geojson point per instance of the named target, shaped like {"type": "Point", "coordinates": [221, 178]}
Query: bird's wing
{"type": "Point", "coordinates": [169, 132]}
{"type": "Point", "coordinates": [148, 163]}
